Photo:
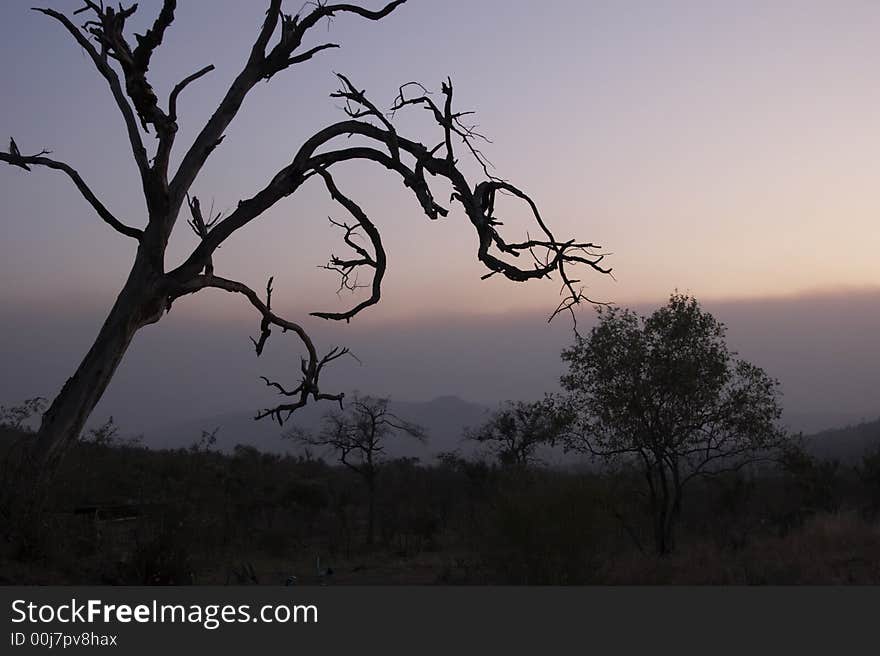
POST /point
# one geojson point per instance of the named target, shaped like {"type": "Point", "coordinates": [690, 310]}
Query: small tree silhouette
{"type": "Point", "coordinates": [664, 395]}
{"type": "Point", "coordinates": [516, 431]}
{"type": "Point", "coordinates": [358, 436]}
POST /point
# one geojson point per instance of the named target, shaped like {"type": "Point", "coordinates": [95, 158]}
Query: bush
{"type": "Point", "coordinates": [545, 530]}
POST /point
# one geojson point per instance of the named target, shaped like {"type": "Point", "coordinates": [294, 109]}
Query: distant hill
{"type": "Point", "coordinates": [848, 444]}
{"type": "Point", "coordinates": [818, 420]}
{"type": "Point", "coordinates": [445, 419]}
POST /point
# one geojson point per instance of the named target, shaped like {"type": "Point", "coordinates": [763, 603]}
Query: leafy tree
{"type": "Point", "coordinates": [816, 480]}
{"type": "Point", "coordinates": [365, 134]}
{"type": "Point", "coordinates": [516, 431]}
{"type": "Point", "coordinates": [663, 394]}
{"type": "Point", "coordinates": [358, 435]}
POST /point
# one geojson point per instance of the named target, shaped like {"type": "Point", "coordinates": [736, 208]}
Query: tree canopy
{"type": "Point", "coordinates": [665, 395]}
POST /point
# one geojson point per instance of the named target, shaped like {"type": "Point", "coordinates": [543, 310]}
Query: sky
{"type": "Point", "coordinates": [727, 149]}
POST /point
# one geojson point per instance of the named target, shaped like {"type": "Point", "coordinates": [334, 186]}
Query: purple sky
{"type": "Point", "coordinates": [730, 149]}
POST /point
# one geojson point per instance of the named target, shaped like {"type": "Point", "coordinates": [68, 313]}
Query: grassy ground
{"type": "Point", "coordinates": [199, 517]}
{"type": "Point", "coordinates": [828, 550]}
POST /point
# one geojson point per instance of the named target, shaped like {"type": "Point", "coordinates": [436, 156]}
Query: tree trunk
{"type": "Point", "coordinates": [660, 544]}
{"type": "Point", "coordinates": [659, 509]}
{"type": "Point", "coordinates": [665, 522]}
{"type": "Point", "coordinates": [137, 305]}
{"type": "Point", "coordinates": [371, 518]}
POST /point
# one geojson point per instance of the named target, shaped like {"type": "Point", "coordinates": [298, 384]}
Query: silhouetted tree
{"type": "Point", "coordinates": [151, 286]}
{"type": "Point", "coordinates": [516, 431]}
{"type": "Point", "coordinates": [664, 395]}
{"type": "Point", "coordinates": [358, 436]}
{"type": "Point", "coordinates": [817, 480]}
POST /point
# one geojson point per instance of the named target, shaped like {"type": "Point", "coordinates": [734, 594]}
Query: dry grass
{"type": "Point", "coordinates": [827, 550]}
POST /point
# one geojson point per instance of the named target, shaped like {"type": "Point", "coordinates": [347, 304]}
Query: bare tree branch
{"type": "Point", "coordinates": [261, 65]}
{"type": "Point", "coordinates": [103, 66]}
{"type": "Point", "coordinates": [180, 86]}
{"type": "Point", "coordinates": [108, 29]}
{"type": "Point", "coordinates": [308, 54]}
{"type": "Point", "coordinates": [311, 367]}
{"type": "Point", "coordinates": [200, 226]}
{"type": "Point", "coordinates": [148, 43]}
{"type": "Point", "coordinates": [478, 201]}
{"type": "Point", "coordinates": [17, 159]}
{"type": "Point", "coordinates": [378, 262]}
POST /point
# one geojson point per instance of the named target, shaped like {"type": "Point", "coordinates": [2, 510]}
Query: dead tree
{"type": "Point", "coordinates": [358, 438]}
{"type": "Point", "coordinates": [366, 133]}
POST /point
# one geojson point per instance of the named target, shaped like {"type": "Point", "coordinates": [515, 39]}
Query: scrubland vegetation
{"type": "Point", "coordinates": [685, 476]}
{"type": "Point", "coordinates": [122, 514]}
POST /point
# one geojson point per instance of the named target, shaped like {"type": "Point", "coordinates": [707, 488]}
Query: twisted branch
{"type": "Point", "coordinates": [102, 64]}
{"type": "Point", "coordinates": [311, 366]}
{"type": "Point", "coordinates": [15, 158]}
{"type": "Point", "coordinates": [377, 262]}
